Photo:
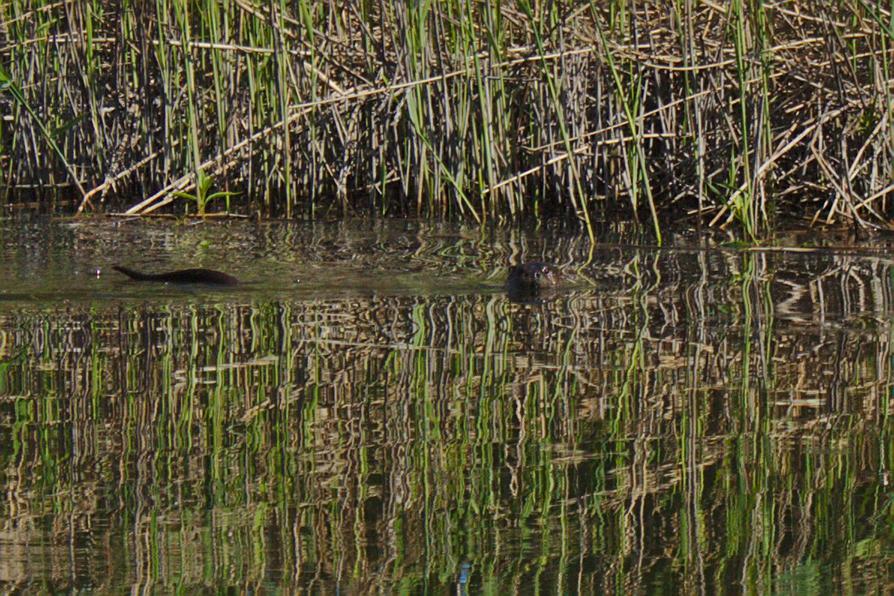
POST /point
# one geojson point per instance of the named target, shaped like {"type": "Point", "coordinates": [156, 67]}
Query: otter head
{"type": "Point", "coordinates": [532, 276]}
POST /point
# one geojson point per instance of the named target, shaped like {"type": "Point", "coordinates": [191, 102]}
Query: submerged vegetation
{"type": "Point", "coordinates": [737, 111]}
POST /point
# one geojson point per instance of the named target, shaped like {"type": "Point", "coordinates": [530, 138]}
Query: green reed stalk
{"type": "Point", "coordinates": [577, 197]}
{"type": "Point", "coordinates": [283, 87]}
{"type": "Point", "coordinates": [8, 85]}
{"type": "Point", "coordinates": [638, 170]}
{"type": "Point", "coordinates": [885, 91]}
{"type": "Point", "coordinates": [491, 94]}
{"type": "Point", "coordinates": [182, 14]}
{"type": "Point", "coordinates": [694, 127]}
{"type": "Point", "coordinates": [744, 205]}
{"type": "Point", "coordinates": [162, 51]}
{"type": "Point", "coordinates": [89, 13]}
{"type": "Point", "coordinates": [211, 20]}
{"type": "Point", "coordinates": [763, 141]}
{"type": "Point", "coordinates": [416, 69]}
{"type": "Point", "coordinates": [258, 113]}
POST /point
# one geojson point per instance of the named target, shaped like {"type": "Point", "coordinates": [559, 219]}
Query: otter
{"type": "Point", "coordinates": [526, 280]}
{"type": "Point", "coordinates": [182, 276]}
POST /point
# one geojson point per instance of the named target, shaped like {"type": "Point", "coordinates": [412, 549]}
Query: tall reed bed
{"type": "Point", "coordinates": [736, 111]}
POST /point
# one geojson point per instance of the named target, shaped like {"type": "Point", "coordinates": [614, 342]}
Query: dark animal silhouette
{"type": "Point", "coordinates": [182, 276]}
{"type": "Point", "coordinates": [526, 280]}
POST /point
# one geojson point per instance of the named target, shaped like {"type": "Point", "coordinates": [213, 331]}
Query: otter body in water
{"type": "Point", "coordinates": [526, 280]}
{"type": "Point", "coordinates": [182, 276]}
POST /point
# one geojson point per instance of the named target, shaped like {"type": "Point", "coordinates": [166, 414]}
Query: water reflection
{"type": "Point", "coordinates": [371, 413]}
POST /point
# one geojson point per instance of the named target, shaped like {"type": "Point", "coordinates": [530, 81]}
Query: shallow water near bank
{"type": "Point", "coordinates": [369, 412]}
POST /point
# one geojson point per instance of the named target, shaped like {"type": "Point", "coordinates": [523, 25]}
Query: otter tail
{"type": "Point", "coordinates": [133, 274]}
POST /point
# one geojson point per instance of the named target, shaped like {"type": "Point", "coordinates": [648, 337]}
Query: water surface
{"type": "Point", "coordinates": [369, 412]}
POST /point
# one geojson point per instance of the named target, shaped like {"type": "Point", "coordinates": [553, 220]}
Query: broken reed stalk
{"type": "Point", "coordinates": [741, 112]}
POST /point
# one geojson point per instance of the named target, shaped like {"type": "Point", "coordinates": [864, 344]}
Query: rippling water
{"type": "Point", "coordinates": [369, 412]}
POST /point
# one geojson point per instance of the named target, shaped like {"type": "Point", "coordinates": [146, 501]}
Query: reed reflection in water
{"type": "Point", "coordinates": [690, 418]}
